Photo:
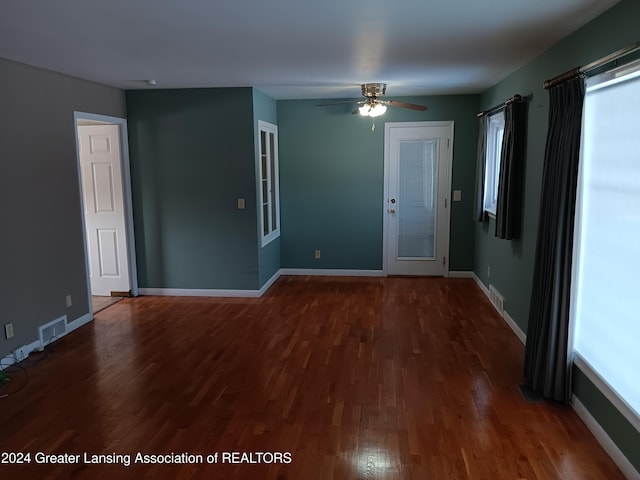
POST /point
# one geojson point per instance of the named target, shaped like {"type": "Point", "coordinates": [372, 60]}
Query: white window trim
{"type": "Point", "coordinates": [273, 183]}
{"type": "Point", "coordinates": [625, 72]}
{"type": "Point", "coordinates": [494, 133]}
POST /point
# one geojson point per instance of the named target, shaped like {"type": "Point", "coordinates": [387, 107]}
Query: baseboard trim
{"type": "Point", "coordinates": [604, 440]}
{"type": "Point", "coordinates": [79, 322]}
{"type": "Point", "coordinates": [592, 424]}
{"type": "Point", "coordinates": [198, 292]}
{"type": "Point", "coordinates": [515, 327]}
{"type": "Point", "coordinates": [484, 289]}
{"type": "Point", "coordinates": [625, 410]}
{"type": "Point", "coordinates": [506, 317]}
{"type": "Point", "coordinates": [11, 359]}
{"type": "Point", "coordinates": [36, 345]}
{"type": "Point", "coordinates": [331, 272]}
{"type": "Point", "coordinates": [269, 283]}
{"type": "Point", "coordinates": [460, 274]}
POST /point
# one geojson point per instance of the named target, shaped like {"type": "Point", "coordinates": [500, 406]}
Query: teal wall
{"type": "Point", "coordinates": [192, 157]}
{"type": "Point", "coordinates": [332, 181]}
{"type": "Point", "coordinates": [264, 108]}
{"type": "Point", "coordinates": [511, 262]}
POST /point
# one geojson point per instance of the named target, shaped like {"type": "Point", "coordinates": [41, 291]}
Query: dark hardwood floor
{"type": "Point", "coordinates": [367, 378]}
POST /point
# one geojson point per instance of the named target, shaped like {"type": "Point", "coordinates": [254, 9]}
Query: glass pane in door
{"type": "Point", "coordinates": [416, 202]}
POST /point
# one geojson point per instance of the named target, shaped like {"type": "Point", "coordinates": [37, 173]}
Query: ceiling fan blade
{"type": "Point", "coordinates": [413, 106]}
{"type": "Point", "coordinates": [337, 103]}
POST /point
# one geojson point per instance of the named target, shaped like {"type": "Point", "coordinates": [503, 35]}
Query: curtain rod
{"type": "Point", "coordinates": [516, 98]}
{"type": "Point", "coordinates": [578, 71]}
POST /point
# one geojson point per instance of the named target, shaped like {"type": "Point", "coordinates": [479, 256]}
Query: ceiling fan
{"type": "Point", "coordinates": [372, 105]}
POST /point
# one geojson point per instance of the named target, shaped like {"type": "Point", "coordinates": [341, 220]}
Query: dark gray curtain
{"type": "Point", "coordinates": [478, 213]}
{"type": "Point", "coordinates": [509, 204]}
{"type": "Point", "coordinates": [547, 362]}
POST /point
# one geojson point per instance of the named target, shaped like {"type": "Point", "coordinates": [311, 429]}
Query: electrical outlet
{"type": "Point", "coordinates": [317, 254]}
{"type": "Point", "coordinates": [8, 331]}
{"type": "Point", "coordinates": [69, 301]}
{"type": "Point", "coordinates": [20, 353]}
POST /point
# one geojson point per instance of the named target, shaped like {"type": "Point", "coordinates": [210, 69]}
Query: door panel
{"type": "Point", "coordinates": [104, 208]}
{"type": "Point", "coordinates": [417, 157]}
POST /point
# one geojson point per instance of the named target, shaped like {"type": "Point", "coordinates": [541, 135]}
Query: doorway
{"type": "Point", "coordinates": [103, 169]}
{"type": "Point", "coordinates": [418, 159]}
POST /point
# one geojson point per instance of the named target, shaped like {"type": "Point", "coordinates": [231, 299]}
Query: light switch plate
{"type": "Point", "coordinates": [241, 204]}
{"type": "Point", "coordinates": [457, 195]}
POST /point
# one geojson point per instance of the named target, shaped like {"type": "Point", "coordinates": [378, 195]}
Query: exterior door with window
{"type": "Point", "coordinates": [417, 164]}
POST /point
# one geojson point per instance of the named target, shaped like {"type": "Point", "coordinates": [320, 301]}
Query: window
{"type": "Point", "coordinates": [495, 132]}
{"type": "Point", "coordinates": [268, 190]}
{"type": "Point", "coordinates": [605, 297]}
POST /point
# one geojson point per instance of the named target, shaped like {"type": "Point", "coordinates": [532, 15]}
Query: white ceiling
{"type": "Point", "coordinates": [290, 48]}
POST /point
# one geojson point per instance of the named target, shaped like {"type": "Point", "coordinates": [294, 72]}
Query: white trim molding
{"type": "Point", "coordinates": [11, 359]}
{"type": "Point", "coordinates": [36, 345]}
{"type": "Point", "coordinates": [331, 272]}
{"type": "Point", "coordinates": [505, 316]}
{"type": "Point", "coordinates": [484, 289]}
{"type": "Point", "coordinates": [211, 292]}
{"type": "Point", "coordinates": [598, 432]}
{"type": "Point", "coordinates": [121, 123]}
{"type": "Point", "coordinates": [619, 404]}
{"type": "Point", "coordinates": [268, 283]}
{"type": "Point", "coordinates": [199, 292]}
{"type": "Point", "coordinates": [447, 163]}
{"type": "Point", "coordinates": [605, 441]}
{"type": "Point", "coordinates": [460, 274]}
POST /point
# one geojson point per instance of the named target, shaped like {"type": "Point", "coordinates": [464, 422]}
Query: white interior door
{"type": "Point", "coordinates": [99, 148]}
{"type": "Point", "coordinates": [417, 164]}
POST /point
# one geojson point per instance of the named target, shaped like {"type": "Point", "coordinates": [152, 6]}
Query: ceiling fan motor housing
{"type": "Point", "coordinates": [373, 90]}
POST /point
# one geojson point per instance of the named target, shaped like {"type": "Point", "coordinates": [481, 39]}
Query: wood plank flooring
{"type": "Point", "coordinates": [349, 378]}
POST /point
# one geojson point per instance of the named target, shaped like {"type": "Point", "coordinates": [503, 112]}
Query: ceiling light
{"type": "Point", "coordinates": [374, 110]}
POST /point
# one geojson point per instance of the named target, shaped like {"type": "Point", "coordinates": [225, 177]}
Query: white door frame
{"type": "Point", "coordinates": [445, 163]}
{"type": "Point", "coordinates": [126, 191]}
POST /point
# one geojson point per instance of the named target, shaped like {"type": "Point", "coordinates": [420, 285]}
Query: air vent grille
{"type": "Point", "coordinates": [496, 299]}
{"type": "Point", "coordinates": [52, 331]}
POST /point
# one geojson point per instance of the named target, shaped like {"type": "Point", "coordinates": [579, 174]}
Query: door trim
{"type": "Point", "coordinates": [126, 192]}
{"type": "Point", "coordinates": [446, 163]}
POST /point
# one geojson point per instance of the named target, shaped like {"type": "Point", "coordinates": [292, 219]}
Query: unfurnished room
{"type": "Point", "coordinates": [319, 241]}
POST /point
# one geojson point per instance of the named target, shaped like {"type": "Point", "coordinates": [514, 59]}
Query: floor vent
{"type": "Point", "coordinates": [52, 330]}
{"type": "Point", "coordinates": [496, 299]}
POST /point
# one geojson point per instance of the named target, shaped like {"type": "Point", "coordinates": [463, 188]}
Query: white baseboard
{"type": "Point", "coordinates": [610, 394]}
{"type": "Point", "coordinates": [35, 345]}
{"type": "Point", "coordinates": [460, 274]}
{"type": "Point", "coordinates": [11, 359]}
{"type": "Point", "coordinates": [211, 292]}
{"type": "Point", "coordinates": [79, 322]}
{"type": "Point", "coordinates": [484, 289]}
{"type": "Point", "coordinates": [515, 327]}
{"type": "Point", "coordinates": [198, 292]}
{"type": "Point", "coordinates": [269, 282]}
{"type": "Point", "coordinates": [599, 433]}
{"type": "Point", "coordinates": [603, 438]}
{"type": "Point", "coordinates": [333, 272]}
{"type": "Point", "coordinates": [506, 317]}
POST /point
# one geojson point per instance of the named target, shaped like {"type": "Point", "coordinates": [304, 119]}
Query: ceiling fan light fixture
{"type": "Point", "coordinates": [372, 110]}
